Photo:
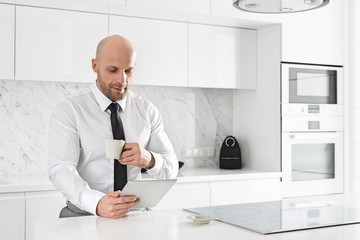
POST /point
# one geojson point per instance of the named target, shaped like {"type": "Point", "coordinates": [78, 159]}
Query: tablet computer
{"type": "Point", "coordinates": [150, 192]}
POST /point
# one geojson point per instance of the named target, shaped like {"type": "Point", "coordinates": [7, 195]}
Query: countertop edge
{"type": "Point", "coordinates": [185, 176]}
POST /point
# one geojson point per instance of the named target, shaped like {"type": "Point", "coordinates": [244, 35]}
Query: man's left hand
{"type": "Point", "coordinates": [134, 154]}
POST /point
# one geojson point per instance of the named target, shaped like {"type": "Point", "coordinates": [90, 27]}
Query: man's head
{"type": "Point", "coordinates": [114, 64]}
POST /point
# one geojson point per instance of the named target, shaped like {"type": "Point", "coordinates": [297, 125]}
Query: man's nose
{"type": "Point", "coordinates": [121, 78]}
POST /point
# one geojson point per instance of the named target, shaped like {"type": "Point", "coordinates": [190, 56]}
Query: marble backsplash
{"type": "Point", "coordinates": [193, 117]}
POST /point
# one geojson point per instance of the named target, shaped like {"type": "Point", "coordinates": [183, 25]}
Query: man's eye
{"type": "Point", "coordinates": [129, 71]}
{"type": "Point", "coordinates": [113, 70]}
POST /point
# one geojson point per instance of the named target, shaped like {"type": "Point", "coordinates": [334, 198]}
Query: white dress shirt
{"type": "Point", "coordinates": [78, 127]}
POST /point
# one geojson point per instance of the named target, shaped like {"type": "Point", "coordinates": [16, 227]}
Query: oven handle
{"type": "Point", "coordinates": [315, 135]}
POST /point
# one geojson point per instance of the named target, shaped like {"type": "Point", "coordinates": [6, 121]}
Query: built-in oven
{"type": "Point", "coordinates": [313, 163]}
{"type": "Point", "coordinates": [312, 125]}
{"type": "Point", "coordinates": [311, 89]}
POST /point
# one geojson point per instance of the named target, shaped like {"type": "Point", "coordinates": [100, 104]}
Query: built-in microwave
{"type": "Point", "coordinates": [311, 89]}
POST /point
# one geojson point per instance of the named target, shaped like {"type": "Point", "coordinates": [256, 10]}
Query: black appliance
{"type": "Point", "coordinates": [230, 154]}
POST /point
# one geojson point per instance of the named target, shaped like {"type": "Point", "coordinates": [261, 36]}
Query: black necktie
{"type": "Point", "coordinates": [120, 174]}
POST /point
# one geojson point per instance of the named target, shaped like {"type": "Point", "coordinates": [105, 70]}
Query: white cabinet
{"type": "Point", "coordinates": [186, 195]}
{"type": "Point", "coordinates": [315, 36]}
{"type": "Point", "coordinates": [222, 57]}
{"type": "Point", "coordinates": [99, 6]}
{"type": "Point", "coordinates": [7, 28]}
{"type": "Point", "coordinates": [42, 205]}
{"type": "Point", "coordinates": [187, 6]}
{"type": "Point", "coordinates": [57, 45]}
{"type": "Point", "coordinates": [162, 49]}
{"type": "Point", "coordinates": [7, 1]}
{"type": "Point", "coordinates": [245, 191]}
{"type": "Point", "coordinates": [221, 192]}
{"type": "Point", "coordinates": [12, 218]}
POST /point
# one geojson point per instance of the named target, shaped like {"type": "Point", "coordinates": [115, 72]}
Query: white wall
{"type": "Point", "coordinates": [354, 94]}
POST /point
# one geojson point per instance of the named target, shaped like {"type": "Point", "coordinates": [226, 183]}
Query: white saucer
{"type": "Point", "coordinates": [202, 219]}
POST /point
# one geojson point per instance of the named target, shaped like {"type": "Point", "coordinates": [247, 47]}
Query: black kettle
{"type": "Point", "coordinates": [230, 154]}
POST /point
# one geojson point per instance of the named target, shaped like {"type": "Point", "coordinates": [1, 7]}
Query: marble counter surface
{"type": "Point", "coordinates": [174, 224]}
{"type": "Point", "coordinates": [28, 183]}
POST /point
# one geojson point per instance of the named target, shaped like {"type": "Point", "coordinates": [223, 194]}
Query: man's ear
{"type": "Point", "coordinates": [94, 64]}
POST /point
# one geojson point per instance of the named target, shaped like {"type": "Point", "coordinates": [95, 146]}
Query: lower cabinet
{"type": "Point", "coordinates": [185, 195]}
{"type": "Point", "coordinates": [211, 193]}
{"type": "Point", "coordinates": [245, 191]}
{"type": "Point", "coordinates": [12, 217]}
{"type": "Point", "coordinates": [42, 205]}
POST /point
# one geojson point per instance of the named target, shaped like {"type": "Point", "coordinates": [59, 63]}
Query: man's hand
{"type": "Point", "coordinates": [112, 205]}
{"type": "Point", "coordinates": [134, 154]}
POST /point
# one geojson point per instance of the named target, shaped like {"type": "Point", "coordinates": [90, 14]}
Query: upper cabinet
{"type": "Point", "coordinates": [222, 57]}
{"type": "Point", "coordinates": [162, 49]}
{"type": "Point", "coordinates": [315, 36]}
{"type": "Point", "coordinates": [187, 6]}
{"type": "Point", "coordinates": [98, 6]}
{"type": "Point", "coordinates": [7, 28]}
{"type": "Point", "coordinates": [57, 45]}
{"type": "Point", "coordinates": [54, 44]}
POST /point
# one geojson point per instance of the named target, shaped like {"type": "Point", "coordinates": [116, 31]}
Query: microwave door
{"type": "Point", "coordinates": [312, 86]}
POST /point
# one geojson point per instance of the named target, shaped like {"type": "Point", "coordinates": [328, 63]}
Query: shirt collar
{"type": "Point", "coordinates": [103, 101]}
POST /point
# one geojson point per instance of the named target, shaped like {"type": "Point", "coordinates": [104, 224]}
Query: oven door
{"type": "Point", "coordinates": [311, 84]}
{"type": "Point", "coordinates": [312, 163]}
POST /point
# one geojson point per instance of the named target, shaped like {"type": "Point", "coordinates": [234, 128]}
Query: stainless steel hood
{"type": "Point", "coordinates": [278, 6]}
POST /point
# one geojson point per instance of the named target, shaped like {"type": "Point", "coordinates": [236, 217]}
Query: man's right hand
{"type": "Point", "coordinates": [112, 205]}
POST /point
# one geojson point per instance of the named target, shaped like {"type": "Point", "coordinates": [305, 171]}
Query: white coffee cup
{"type": "Point", "coordinates": [114, 148]}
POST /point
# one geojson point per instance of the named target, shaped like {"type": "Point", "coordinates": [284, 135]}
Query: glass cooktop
{"type": "Point", "coordinates": [282, 216]}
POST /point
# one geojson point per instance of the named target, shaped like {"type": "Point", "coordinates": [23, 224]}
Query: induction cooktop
{"type": "Point", "coordinates": [282, 216]}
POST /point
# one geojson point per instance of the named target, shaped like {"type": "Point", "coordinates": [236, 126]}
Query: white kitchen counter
{"type": "Point", "coordinates": [29, 183]}
{"type": "Point", "coordinates": [173, 225]}
{"type": "Point", "coordinates": [26, 183]}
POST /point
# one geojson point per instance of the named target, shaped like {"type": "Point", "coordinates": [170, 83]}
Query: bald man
{"type": "Point", "coordinates": [78, 127]}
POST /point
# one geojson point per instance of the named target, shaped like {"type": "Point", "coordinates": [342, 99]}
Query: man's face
{"type": "Point", "coordinates": [114, 73]}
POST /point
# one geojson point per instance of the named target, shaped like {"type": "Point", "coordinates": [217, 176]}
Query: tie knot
{"type": "Point", "coordinates": [114, 107]}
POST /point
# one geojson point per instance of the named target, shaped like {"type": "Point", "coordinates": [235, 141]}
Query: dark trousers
{"type": "Point", "coordinates": [72, 211]}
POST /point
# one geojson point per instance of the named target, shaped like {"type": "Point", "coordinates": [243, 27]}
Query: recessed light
{"type": "Point", "coordinates": [285, 9]}
{"type": "Point", "coordinates": [252, 5]}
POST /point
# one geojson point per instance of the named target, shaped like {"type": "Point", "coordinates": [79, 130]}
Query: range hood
{"type": "Point", "coordinates": [278, 6]}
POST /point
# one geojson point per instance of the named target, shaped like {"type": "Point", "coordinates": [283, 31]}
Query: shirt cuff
{"type": "Point", "coordinates": [90, 199]}
{"type": "Point", "coordinates": [159, 161]}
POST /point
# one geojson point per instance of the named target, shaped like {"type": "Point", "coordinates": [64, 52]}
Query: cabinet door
{"type": "Point", "coordinates": [245, 191]}
{"type": "Point", "coordinates": [186, 195]}
{"type": "Point", "coordinates": [162, 49]}
{"type": "Point", "coordinates": [99, 6]}
{"type": "Point", "coordinates": [186, 6]}
{"type": "Point", "coordinates": [42, 205]}
{"type": "Point", "coordinates": [56, 45]}
{"type": "Point", "coordinates": [315, 36]}
{"type": "Point", "coordinates": [222, 57]}
{"type": "Point", "coordinates": [12, 218]}
{"type": "Point", "coordinates": [7, 28]}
